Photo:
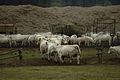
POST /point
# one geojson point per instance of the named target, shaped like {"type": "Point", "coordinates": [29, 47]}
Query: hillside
{"type": "Point", "coordinates": [30, 19]}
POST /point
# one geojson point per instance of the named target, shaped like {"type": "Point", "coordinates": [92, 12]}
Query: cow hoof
{"type": "Point", "coordinates": [70, 63]}
{"type": "Point", "coordinates": [56, 62]}
{"type": "Point", "coordinates": [48, 60]}
{"type": "Point", "coordinates": [43, 58]}
{"type": "Point", "coordinates": [78, 63]}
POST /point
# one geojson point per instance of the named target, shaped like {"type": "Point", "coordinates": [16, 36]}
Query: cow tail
{"type": "Point", "coordinates": [79, 51]}
{"type": "Point", "coordinates": [78, 55]}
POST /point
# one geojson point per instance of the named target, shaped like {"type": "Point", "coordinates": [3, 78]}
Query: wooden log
{"type": "Point", "coordinates": [9, 25]}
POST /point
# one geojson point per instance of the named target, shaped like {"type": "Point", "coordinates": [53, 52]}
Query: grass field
{"type": "Point", "coordinates": [32, 56]}
{"type": "Point", "coordinates": [83, 72]}
{"type": "Point", "coordinates": [33, 69]}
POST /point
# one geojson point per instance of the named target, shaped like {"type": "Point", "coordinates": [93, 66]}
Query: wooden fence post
{"type": "Point", "coordinates": [20, 55]}
{"type": "Point", "coordinates": [99, 54]}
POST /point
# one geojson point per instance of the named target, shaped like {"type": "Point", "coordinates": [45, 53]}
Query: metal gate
{"type": "Point", "coordinates": [105, 25]}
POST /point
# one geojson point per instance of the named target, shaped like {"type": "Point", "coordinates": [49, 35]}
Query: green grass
{"type": "Point", "coordinates": [84, 72]}
{"type": "Point", "coordinates": [81, 72]}
{"type": "Point", "coordinates": [86, 52]}
{"type": "Point", "coordinates": [31, 53]}
{"type": "Point", "coordinates": [34, 53]}
{"type": "Point", "coordinates": [26, 52]}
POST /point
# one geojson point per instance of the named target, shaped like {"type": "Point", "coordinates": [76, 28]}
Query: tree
{"type": "Point", "coordinates": [107, 3]}
{"type": "Point", "coordinates": [56, 2]}
{"type": "Point", "coordinates": [43, 3]}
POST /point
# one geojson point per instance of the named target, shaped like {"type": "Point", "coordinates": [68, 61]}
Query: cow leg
{"type": "Point", "coordinates": [70, 59]}
{"type": "Point", "coordinates": [79, 43]}
{"type": "Point", "coordinates": [42, 55]}
{"type": "Point", "coordinates": [10, 44]}
{"type": "Point", "coordinates": [100, 42]}
{"type": "Point", "coordinates": [78, 59]}
{"type": "Point", "coordinates": [23, 43]}
{"type": "Point", "coordinates": [85, 43]}
{"type": "Point", "coordinates": [61, 59]}
{"type": "Point", "coordinates": [15, 43]}
{"type": "Point", "coordinates": [29, 42]}
{"type": "Point", "coordinates": [48, 54]}
{"type": "Point", "coordinates": [88, 43]}
{"type": "Point", "coordinates": [118, 55]}
{"type": "Point", "coordinates": [110, 42]}
{"type": "Point", "coordinates": [55, 58]}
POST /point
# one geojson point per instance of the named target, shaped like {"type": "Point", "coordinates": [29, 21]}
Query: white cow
{"type": "Point", "coordinates": [37, 37]}
{"type": "Point", "coordinates": [52, 51]}
{"type": "Point", "coordinates": [45, 34]}
{"type": "Point", "coordinates": [114, 50]}
{"type": "Point", "coordinates": [56, 40]}
{"type": "Point", "coordinates": [18, 38]}
{"type": "Point", "coordinates": [5, 39]}
{"type": "Point", "coordinates": [66, 39]}
{"type": "Point", "coordinates": [85, 39]}
{"type": "Point", "coordinates": [73, 39]}
{"type": "Point", "coordinates": [69, 51]}
{"type": "Point", "coordinates": [103, 37]}
{"type": "Point", "coordinates": [43, 47]}
{"type": "Point", "coordinates": [48, 48]}
{"type": "Point", "coordinates": [94, 35]}
{"type": "Point", "coordinates": [118, 34]}
{"type": "Point", "coordinates": [31, 39]}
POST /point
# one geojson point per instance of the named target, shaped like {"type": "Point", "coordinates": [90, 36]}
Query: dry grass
{"type": "Point", "coordinates": [38, 19]}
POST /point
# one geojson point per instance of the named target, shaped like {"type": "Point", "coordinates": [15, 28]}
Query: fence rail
{"type": "Point", "coordinates": [5, 53]}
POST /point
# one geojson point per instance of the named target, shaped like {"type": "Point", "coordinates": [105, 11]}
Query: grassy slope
{"type": "Point", "coordinates": [85, 72]}
{"type": "Point", "coordinates": [31, 19]}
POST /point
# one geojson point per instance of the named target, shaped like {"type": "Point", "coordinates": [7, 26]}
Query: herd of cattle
{"type": "Point", "coordinates": [57, 47]}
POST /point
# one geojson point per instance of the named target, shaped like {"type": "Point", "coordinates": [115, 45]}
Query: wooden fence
{"type": "Point", "coordinates": [8, 29]}
{"type": "Point", "coordinates": [18, 53]}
